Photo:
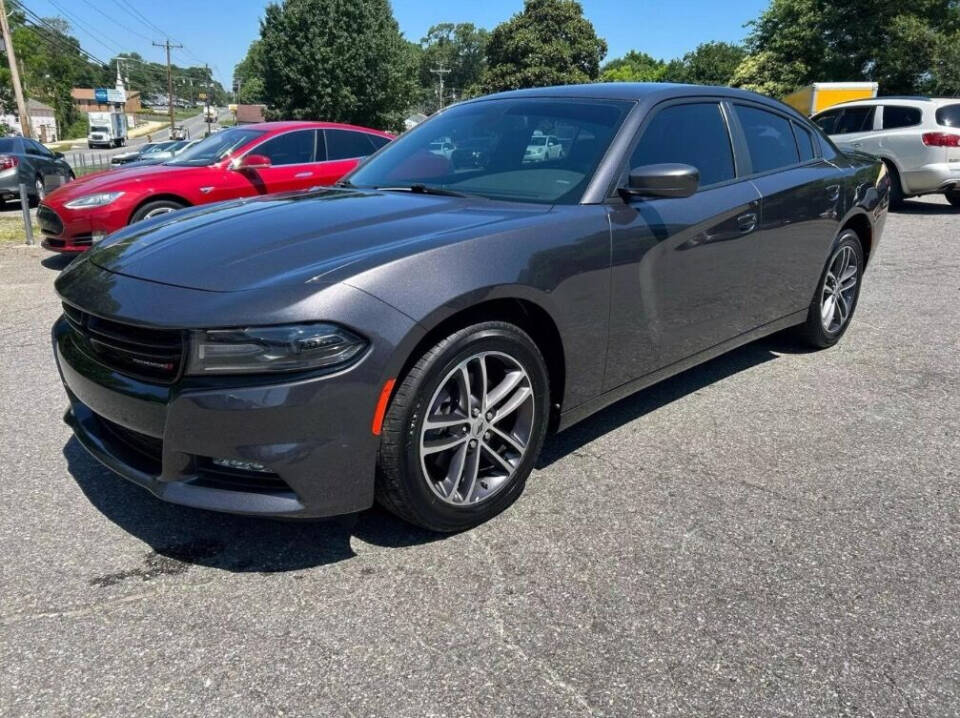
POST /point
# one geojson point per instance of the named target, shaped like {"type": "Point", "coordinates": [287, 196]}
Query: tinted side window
{"type": "Point", "coordinates": [855, 119]}
{"type": "Point", "coordinates": [345, 144]}
{"type": "Point", "coordinates": [804, 143]}
{"type": "Point", "coordinates": [34, 149]}
{"type": "Point", "coordinates": [899, 116]}
{"type": "Point", "coordinates": [378, 141]}
{"type": "Point", "coordinates": [949, 115]}
{"type": "Point", "coordinates": [827, 121]}
{"type": "Point", "coordinates": [8, 144]}
{"type": "Point", "coordinates": [292, 148]}
{"type": "Point", "coordinates": [769, 139]}
{"type": "Point", "coordinates": [693, 134]}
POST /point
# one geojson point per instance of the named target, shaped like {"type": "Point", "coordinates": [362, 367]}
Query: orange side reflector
{"type": "Point", "coordinates": [382, 407]}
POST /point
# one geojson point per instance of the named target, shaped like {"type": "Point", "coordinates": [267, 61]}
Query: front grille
{"type": "Point", "coordinates": [146, 447]}
{"type": "Point", "coordinates": [220, 477]}
{"type": "Point", "coordinates": [152, 354]}
{"type": "Point", "coordinates": [49, 221]}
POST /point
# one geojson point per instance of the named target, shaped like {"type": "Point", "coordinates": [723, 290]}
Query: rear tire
{"type": "Point", "coordinates": [828, 321]}
{"type": "Point", "coordinates": [155, 209]}
{"type": "Point", "coordinates": [953, 197]}
{"type": "Point", "coordinates": [896, 187]}
{"type": "Point", "coordinates": [494, 377]}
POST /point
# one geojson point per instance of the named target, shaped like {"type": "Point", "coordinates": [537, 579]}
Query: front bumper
{"type": "Point", "coordinates": [75, 231]}
{"type": "Point", "coordinates": [312, 434]}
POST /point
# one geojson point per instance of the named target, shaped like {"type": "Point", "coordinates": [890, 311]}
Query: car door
{"type": "Point", "coordinates": [801, 203]}
{"type": "Point", "coordinates": [292, 162]}
{"type": "Point", "coordinates": [855, 129]}
{"type": "Point", "coordinates": [682, 268]}
{"type": "Point", "coordinates": [44, 163]}
{"type": "Point", "coordinates": [344, 150]}
{"type": "Point", "coordinates": [899, 139]}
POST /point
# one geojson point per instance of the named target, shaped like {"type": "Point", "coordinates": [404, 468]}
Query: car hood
{"type": "Point", "coordinates": [124, 178]}
{"type": "Point", "coordinates": [295, 238]}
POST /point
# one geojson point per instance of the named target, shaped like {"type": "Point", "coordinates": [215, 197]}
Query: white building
{"type": "Point", "coordinates": [43, 123]}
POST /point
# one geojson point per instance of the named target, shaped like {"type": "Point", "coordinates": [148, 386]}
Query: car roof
{"type": "Point", "coordinates": [637, 91]}
{"type": "Point", "coordinates": [286, 125]}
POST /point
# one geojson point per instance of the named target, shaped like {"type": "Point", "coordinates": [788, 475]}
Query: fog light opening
{"type": "Point", "coordinates": [241, 465]}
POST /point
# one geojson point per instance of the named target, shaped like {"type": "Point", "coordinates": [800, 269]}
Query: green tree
{"type": "Point", "coordinates": [895, 43]}
{"type": "Point", "coordinates": [711, 63]}
{"type": "Point", "coordinates": [633, 67]}
{"type": "Point", "coordinates": [248, 76]}
{"type": "Point", "coordinates": [459, 48]}
{"type": "Point", "coordinates": [336, 60]}
{"type": "Point", "coordinates": [548, 43]}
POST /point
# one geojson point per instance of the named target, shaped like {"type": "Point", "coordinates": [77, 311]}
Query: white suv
{"type": "Point", "coordinates": [917, 137]}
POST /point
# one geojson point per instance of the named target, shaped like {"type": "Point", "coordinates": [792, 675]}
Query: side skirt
{"type": "Point", "coordinates": [581, 412]}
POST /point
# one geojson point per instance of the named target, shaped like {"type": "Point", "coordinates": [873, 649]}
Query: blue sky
{"type": "Point", "coordinates": [219, 31]}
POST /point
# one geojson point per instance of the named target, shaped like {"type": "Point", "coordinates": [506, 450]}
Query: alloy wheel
{"type": "Point", "coordinates": [839, 290]}
{"type": "Point", "coordinates": [157, 212]}
{"type": "Point", "coordinates": [477, 428]}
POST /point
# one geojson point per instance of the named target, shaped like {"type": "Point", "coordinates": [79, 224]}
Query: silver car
{"type": "Point", "coordinates": [27, 162]}
{"type": "Point", "coordinates": [918, 138]}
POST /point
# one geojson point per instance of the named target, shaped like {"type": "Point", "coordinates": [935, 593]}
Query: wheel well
{"type": "Point", "coordinates": [861, 225]}
{"type": "Point", "coordinates": [158, 198]}
{"type": "Point", "coordinates": [530, 317]}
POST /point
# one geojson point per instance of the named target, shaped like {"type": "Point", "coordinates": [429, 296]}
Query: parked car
{"type": "Point", "coordinates": [542, 148]}
{"type": "Point", "coordinates": [25, 161]}
{"type": "Point", "coordinates": [122, 158]}
{"type": "Point", "coordinates": [443, 146]}
{"type": "Point", "coordinates": [410, 334]}
{"type": "Point", "coordinates": [239, 162]}
{"type": "Point", "coordinates": [163, 152]}
{"type": "Point", "coordinates": [180, 133]}
{"type": "Point", "coordinates": [917, 137]}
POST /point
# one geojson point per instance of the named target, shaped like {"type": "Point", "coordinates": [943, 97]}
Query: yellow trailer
{"type": "Point", "coordinates": [819, 96]}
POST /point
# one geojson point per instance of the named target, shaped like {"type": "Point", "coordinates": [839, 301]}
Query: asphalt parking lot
{"type": "Point", "coordinates": [775, 533]}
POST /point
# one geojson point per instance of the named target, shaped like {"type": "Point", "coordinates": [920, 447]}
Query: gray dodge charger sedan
{"type": "Point", "coordinates": [410, 335]}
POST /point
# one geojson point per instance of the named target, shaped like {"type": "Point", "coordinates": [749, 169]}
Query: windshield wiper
{"type": "Point", "coordinates": [423, 189]}
{"type": "Point", "coordinates": [345, 183]}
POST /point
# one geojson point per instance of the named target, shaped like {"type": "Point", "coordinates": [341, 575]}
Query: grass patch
{"type": "Point", "coordinates": [165, 117]}
{"type": "Point", "coordinates": [11, 228]}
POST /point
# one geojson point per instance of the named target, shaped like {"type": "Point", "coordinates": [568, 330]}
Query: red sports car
{"type": "Point", "coordinates": [238, 162]}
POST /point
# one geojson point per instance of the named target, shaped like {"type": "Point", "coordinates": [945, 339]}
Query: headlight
{"type": "Point", "coordinates": [93, 200]}
{"type": "Point", "coordinates": [271, 349]}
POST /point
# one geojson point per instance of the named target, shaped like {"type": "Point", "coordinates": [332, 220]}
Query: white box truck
{"type": "Point", "coordinates": [107, 129]}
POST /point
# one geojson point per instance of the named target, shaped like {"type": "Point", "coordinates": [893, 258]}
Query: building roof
{"type": "Point", "coordinates": [33, 105]}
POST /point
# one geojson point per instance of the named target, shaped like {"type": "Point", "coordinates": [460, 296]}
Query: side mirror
{"type": "Point", "coordinates": [663, 180]}
{"type": "Point", "coordinates": [58, 155]}
{"type": "Point", "coordinates": [251, 162]}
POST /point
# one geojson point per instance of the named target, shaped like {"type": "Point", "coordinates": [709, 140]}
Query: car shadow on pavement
{"type": "Point", "coordinates": [228, 542]}
{"type": "Point", "coordinates": [918, 206]}
{"type": "Point", "coordinates": [665, 392]}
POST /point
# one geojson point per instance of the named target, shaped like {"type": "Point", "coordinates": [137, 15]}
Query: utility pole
{"type": "Point", "coordinates": [168, 45]}
{"type": "Point", "coordinates": [206, 101]}
{"type": "Point", "coordinates": [440, 72]}
{"type": "Point", "coordinates": [14, 73]}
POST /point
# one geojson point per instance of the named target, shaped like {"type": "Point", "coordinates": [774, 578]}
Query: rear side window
{"type": "Point", "coordinates": [8, 144]}
{"type": "Point", "coordinates": [895, 116]}
{"type": "Point", "coordinates": [346, 144]}
{"type": "Point", "coordinates": [827, 121]}
{"type": "Point", "coordinates": [292, 148]}
{"type": "Point", "coordinates": [769, 139]}
{"type": "Point", "coordinates": [692, 134]}
{"type": "Point", "coordinates": [804, 143]}
{"type": "Point", "coordinates": [949, 115]}
{"type": "Point", "coordinates": [855, 119]}
{"type": "Point", "coordinates": [378, 141]}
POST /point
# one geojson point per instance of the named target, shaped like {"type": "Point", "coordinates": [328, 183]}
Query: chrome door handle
{"type": "Point", "coordinates": [747, 222]}
{"type": "Point", "coordinates": [302, 175]}
{"type": "Point", "coordinates": [833, 192]}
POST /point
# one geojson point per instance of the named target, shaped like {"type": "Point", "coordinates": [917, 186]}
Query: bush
{"type": "Point", "coordinates": [77, 129]}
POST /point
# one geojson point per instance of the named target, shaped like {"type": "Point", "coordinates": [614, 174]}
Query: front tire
{"type": "Point", "coordinates": [837, 294]}
{"type": "Point", "coordinates": [464, 428]}
{"type": "Point", "coordinates": [896, 187]}
{"type": "Point", "coordinates": [155, 209]}
{"type": "Point", "coordinates": [953, 197]}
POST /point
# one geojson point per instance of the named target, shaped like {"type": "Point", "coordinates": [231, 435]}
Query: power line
{"type": "Point", "coordinates": [117, 23]}
{"type": "Point", "coordinates": [37, 22]}
{"type": "Point", "coordinates": [126, 5]}
{"type": "Point", "coordinates": [82, 26]}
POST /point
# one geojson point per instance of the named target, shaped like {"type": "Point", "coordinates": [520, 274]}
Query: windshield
{"type": "Point", "coordinates": [159, 147]}
{"type": "Point", "coordinates": [215, 147]}
{"type": "Point", "coordinates": [536, 141]}
{"type": "Point", "coordinates": [487, 150]}
{"type": "Point", "coordinates": [99, 128]}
